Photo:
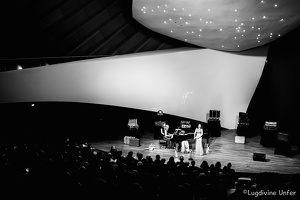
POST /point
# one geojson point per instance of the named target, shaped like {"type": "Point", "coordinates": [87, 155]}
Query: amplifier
{"type": "Point", "coordinates": [259, 157]}
{"type": "Point", "coordinates": [134, 142]}
{"type": "Point", "coordinates": [126, 139]}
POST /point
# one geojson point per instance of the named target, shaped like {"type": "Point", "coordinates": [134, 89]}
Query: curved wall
{"type": "Point", "coordinates": [182, 82]}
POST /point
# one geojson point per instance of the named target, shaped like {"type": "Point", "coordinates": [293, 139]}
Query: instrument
{"type": "Point", "coordinates": [179, 138]}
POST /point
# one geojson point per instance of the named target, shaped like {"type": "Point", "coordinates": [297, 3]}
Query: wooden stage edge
{"type": "Point", "coordinates": [222, 149]}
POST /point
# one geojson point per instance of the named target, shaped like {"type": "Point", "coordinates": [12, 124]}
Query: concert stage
{"type": "Point", "coordinates": [223, 149]}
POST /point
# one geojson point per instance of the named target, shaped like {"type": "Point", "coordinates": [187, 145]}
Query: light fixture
{"type": "Point", "coordinates": [19, 67]}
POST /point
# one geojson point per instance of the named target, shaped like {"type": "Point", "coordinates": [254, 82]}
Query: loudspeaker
{"type": "Point", "coordinates": [259, 157]}
{"type": "Point", "coordinates": [214, 114]}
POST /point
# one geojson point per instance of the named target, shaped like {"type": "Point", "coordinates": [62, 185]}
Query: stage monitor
{"type": "Point", "coordinates": [185, 125]}
{"type": "Point", "coordinates": [270, 125]}
{"type": "Point", "coordinates": [159, 123]}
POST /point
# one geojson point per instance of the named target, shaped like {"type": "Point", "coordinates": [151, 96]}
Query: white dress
{"type": "Point", "coordinates": [198, 145]}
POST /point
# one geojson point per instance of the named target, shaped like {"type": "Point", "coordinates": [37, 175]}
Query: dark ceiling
{"type": "Point", "coordinates": [35, 33]}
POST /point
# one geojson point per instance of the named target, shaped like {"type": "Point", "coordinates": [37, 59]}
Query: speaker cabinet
{"type": "Point", "coordinates": [259, 157]}
{"type": "Point", "coordinates": [214, 114]}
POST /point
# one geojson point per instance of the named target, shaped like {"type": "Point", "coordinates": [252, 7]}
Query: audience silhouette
{"type": "Point", "coordinates": [71, 168]}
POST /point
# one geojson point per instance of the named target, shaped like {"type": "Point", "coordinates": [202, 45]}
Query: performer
{"type": "Point", "coordinates": [176, 144]}
{"type": "Point", "coordinates": [184, 144]}
{"type": "Point", "coordinates": [166, 135]}
{"type": "Point", "coordinates": [164, 130]}
{"type": "Point", "coordinates": [198, 137]}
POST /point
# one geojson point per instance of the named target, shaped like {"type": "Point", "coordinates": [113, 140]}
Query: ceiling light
{"type": "Point", "coordinates": [257, 16]}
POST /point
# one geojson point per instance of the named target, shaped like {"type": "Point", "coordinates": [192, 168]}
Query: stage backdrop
{"type": "Point", "coordinates": [182, 82]}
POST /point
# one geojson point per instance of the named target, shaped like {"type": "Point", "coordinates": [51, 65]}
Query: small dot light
{"type": "Point", "coordinates": [192, 23]}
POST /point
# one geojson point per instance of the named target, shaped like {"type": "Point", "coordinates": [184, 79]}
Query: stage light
{"type": "Point", "coordinates": [19, 67]}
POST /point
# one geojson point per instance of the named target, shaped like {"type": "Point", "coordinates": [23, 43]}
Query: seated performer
{"type": "Point", "coordinates": [166, 135]}
{"type": "Point", "coordinates": [176, 132]}
{"type": "Point", "coordinates": [164, 131]}
{"type": "Point", "coordinates": [184, 144]}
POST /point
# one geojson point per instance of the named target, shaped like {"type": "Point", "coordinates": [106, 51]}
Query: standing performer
{"type": "Point", "coordinates": [198, 137]}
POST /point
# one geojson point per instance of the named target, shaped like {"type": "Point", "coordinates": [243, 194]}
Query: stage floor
{"type": "Point", "coordinates": [222, 149]}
